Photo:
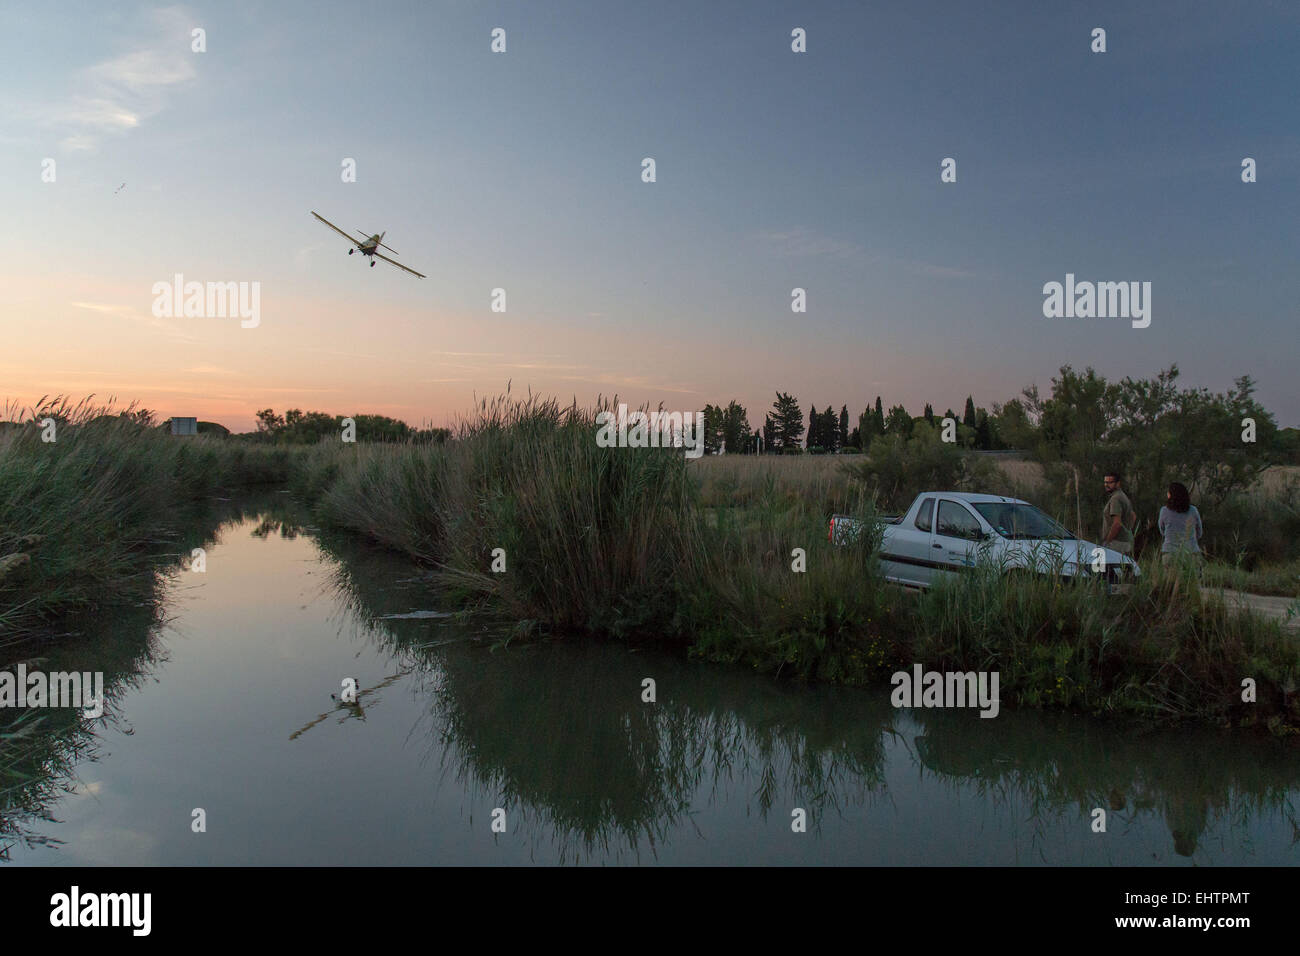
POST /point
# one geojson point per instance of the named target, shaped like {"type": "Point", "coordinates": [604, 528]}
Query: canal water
{"type": "Point", "coordinates": [466, 748]}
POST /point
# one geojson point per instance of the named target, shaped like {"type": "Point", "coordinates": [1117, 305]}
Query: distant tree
{"type": "Point", "coordinates": [968, 417]}
{"type": "Point", "coordinates": [1012, 425]}
{"type": "Point", "coordinates": [268, 422]}
{"type": "Point", "coordinates": [769, 434]}
{"type": "Point", "coordinates": [735, 427]}
{"type": "Point", "coordinates": [929, 413]}
{"type": "Point", "coordinates": [983, 430]}
{"type": "Point", "coordinates": [1153, 433]}
{"type": "Point", "coordinates": [844, 426]}
{"type": "Point", "coordinates": [898, 422]}
{"type": "Point", "coordinates": [375, 428]}
{"type": "Point", "coordinates": [712, 429]}
{"type": "Point", "coordinates": [297, 427]}
{"type": "Point", "coordinates": [855, 437]}
{"type": "Point", "coordinates": [787, 421]}
{"type": "Point", "coordinates": [871, 425]}
{"type": "Point", "coordinates": [1288, 444]}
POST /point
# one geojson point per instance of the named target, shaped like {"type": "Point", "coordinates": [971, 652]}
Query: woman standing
{"type": "Point", "coordinates": [1180, 526]}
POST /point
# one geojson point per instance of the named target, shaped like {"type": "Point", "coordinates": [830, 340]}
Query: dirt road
{"type": "Point", "coordinates": [1267, 605]}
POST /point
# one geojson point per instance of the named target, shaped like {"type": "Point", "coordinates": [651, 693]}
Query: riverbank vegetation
{"type": "Point", "coordinates": [644, 545]}
{"type": "Point", "coordinates": [86, 501]}
{"type": "Point", "coordinates": [526, 519]}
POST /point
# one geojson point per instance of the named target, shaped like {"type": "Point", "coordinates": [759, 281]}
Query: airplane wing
{"type": "Point", "coordinates": [380, 255]}
{"type": "Point", "coordinates": [335, 228]}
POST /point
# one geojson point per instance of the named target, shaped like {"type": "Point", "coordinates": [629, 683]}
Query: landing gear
{"type": "Point", "coordinates": [350, 251]}
{"type": "Point", "coordinates": [372, 263]}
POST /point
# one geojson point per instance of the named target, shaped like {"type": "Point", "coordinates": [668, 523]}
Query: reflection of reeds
{"type": "Point", "coordinates": [1054, 766]}
{"type": "Point", "coordinates": [558, 736]}
{"type": "Point", "coordinates": [562, 737]}
{"type": "Point", "coordinates": [40, 751]}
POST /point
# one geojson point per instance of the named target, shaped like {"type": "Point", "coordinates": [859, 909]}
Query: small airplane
{"type": "Point", "coordinates": [369, 246]}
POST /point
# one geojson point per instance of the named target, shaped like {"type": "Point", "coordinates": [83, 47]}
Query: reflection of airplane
{"type": "Point", "coordinates": [352, 708]}
{"type": "Point", "coordinates": [368, 246]}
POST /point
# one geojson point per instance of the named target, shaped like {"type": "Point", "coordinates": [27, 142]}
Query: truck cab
{"type": "Point", "coordinates": [946, 532]}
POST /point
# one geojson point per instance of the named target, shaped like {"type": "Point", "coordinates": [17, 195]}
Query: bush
{"type": "Point", "coordinates": [897, 469]}
{"type": "Point", "coordinates": [1164, 649]}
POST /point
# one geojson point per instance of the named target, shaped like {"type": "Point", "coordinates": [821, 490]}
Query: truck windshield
{"type": "Point", "coordinates": [1020, 521]}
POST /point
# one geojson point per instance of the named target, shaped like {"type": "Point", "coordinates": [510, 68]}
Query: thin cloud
{"type": "Point", "coordinates": [629, 382]}
{"type": "Point", "coordinates": [104, 307]}
{"type": "Point", "coordinates": [302, 255]}
{"type": "Point", "coordinates": [930, 269]}
{"type": "Point", "coordinates": [117, 310]}
{"type": "Point", "coordinates": [115, 96]}
{"type": "Point", "coordinates": [800, 242]}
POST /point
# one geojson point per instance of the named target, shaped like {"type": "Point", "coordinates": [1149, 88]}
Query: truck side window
{"type": "Point", "coordinates": [924, 514]}
{"type": "Point", "coordinates": [956, 522]}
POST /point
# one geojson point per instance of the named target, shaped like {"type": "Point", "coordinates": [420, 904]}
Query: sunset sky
{"type": "Point", "coordinates": [522, 170]}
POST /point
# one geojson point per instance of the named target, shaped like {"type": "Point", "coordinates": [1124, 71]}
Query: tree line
{"type": "Point", "coordinates": [827, 432]}
{"type": "Point", "coordinates": [296, 427]}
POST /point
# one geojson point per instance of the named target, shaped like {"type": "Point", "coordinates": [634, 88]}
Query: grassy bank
{"type": "Point", "coordinates": [530, 521]}
{"type": "Point", "coordinates": [84, 517]}
{"type": "Point", "coordinates": [735, 566]}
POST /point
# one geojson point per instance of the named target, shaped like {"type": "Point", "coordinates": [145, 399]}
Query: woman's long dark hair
{"type": "Point", "coordinates": [1180, 499]}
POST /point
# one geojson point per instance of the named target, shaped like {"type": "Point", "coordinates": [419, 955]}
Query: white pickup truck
{"type": "Point", "coordinates": [946, 531]}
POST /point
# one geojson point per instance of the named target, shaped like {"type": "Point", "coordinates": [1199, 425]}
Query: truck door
{"type": "Point", "coordinates": [957, 534]}
{"type": "Point", "coordinates": [910, 559]}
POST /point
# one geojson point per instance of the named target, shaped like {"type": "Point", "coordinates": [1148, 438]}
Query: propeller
{"type": "Point", "coordinates": [381, 236]}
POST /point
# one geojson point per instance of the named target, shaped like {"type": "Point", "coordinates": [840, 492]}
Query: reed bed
{"type": "Point", "coordinates": [527, 518]}
{"type": "Point", "coordinates": [730, 559]}
{"type": "Point", "coordinates": [84, 516]}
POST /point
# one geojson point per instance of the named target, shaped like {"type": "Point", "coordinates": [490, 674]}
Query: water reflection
{"type": "Point", "coordinates": [562, 732]}
{"type": "Point", "coordinates": [1189, 777]}
{"type": "Point", "coordinates": [558, 735]}
{"type": "Point", "coordinates": [40, 750]}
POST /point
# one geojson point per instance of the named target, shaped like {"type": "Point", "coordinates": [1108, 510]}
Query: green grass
{"type": "Point", "coordinates": [91, 508]}
{"type": "Point", "coordinates": [1281, 580]}
{"type": "Point", "coordinates": [1164, 648]}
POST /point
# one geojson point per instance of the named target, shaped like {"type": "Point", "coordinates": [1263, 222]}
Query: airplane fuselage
{"type": "Point", "coordinates": [368, 246]}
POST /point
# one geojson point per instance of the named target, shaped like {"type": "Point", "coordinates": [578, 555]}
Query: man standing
{"type": "Point", "coordinates": [1118, 517]}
